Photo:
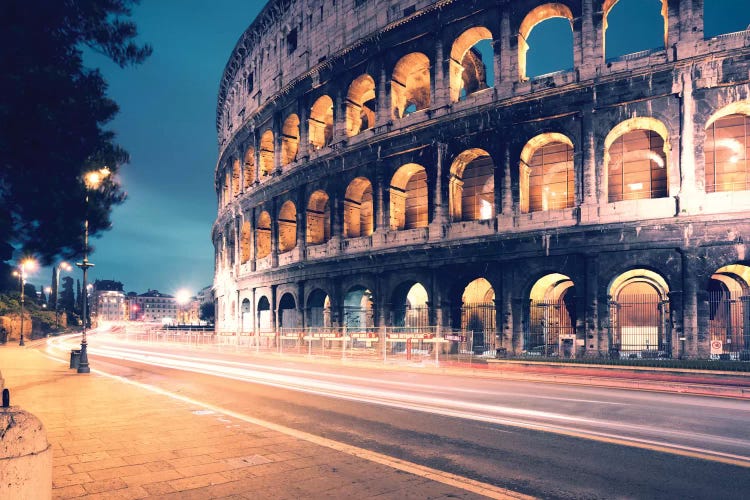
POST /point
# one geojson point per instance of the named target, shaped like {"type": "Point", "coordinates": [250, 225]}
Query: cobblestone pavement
{"type": "Point", "coordinates": [113, 439]}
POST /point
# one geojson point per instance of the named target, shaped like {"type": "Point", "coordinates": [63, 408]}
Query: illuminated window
{"type": "Point", "coordinates": [637, 166]}
{"type": "Point", "coordinates": [472, 186]}
{"type": "Point", "coordinates": [318, 218]}
{"type": "Point", "coordinates": [358, 209]}
{"type": "Point", "coordinates": [727, 149]}
{"type": "Point", "coordinates": [409, 197]}
{"type": "Point", "coordinates": [410, 84]}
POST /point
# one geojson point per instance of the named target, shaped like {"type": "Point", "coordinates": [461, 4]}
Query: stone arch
{"type": "Point", "coordinates": [263, 235]}
{"type": "Point", "coordinates": [478, 315]}
{"type": "Point", "coordinates": [410, 305]}
{"type": "Point", "coordinates": [320, 128]}
{"type": "Point", "coordinates": [471, 190]}
{"type": "Point", "coordinates": [727, 148]}
{"type": "Point", "coordinates": [249, 172]}
{"type": "Point", "coordinates": [288, 314]}
{"type": "Point", "coordinates": [638, 314]}
{"type": "Point", "coordinates": [266, 154]}
{"type": "Point", "coordinates": [318, 218]}
{"type": "Point", "coordinates": [245, 242]}
{"type": "Point", "coordinates": [409, 197]}
{"type": "Point", "coordinates": [636, 156]}
{"type": "Point", "coordinates": [547, 174]}
{"type": "Point", "coordinates": [360, 105]}
{"type": "Point", "coordinates": [290, 139]}
{"type": "Point", "coordinates": [410, 85]}
{"type": "Point", "coordinates": [729, 312]}
{"type": "Point", "coordinates": [287, 227]}
{"type": "Point", "coordinates": [551, 317]}
{"type": "Point", "coordinates": [533, 18]}
{"type": "Point", "coordinates": [246, 316]}
{"type": "Point", "coordinates": [468, 71]}
{"type": "Point", "coordinates": [358, 209]}
{"type": "Point", "coordinates": [319, 309]}
{"type": "Point", "coordinates": [606, 10]}
{"type": "Point", "coordinates": [265, 322]}
{"type": "Point", "coordinates": [358, 308]}
{"type": "Point", "coordinates": [236, 177]}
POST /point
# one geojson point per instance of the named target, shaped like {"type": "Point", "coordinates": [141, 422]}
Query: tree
{"type": "Point", "coordinates": [208, 312]}
{"type": "Point", "coordinates": [67, 297]}
{"type": "Point", "coordinates": [52, 113]}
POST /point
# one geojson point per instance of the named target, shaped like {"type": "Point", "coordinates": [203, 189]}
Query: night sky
{"type": "Point", "coordinates": [161, 234]}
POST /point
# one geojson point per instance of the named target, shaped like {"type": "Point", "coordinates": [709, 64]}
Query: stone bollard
{"type": "Point", "coordinates": [25, 455]}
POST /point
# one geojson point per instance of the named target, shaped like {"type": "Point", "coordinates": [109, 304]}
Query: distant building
{"type": "Point", "coordinates": [153, 306]}
{"type": "Point", "coordinates": [108, 302]}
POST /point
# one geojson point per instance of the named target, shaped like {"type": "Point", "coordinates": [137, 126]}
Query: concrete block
{"type": "Point", "coordinates": [25, 456]}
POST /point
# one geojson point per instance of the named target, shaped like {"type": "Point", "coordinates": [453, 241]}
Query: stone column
{"type": "Point", "coordinates": [591, 328]}
{"type": "Point", "coordinates": [301, 305]}
{"type": "Point", "coordinates": [507, 187]}
{"type": "Point", "coordinates": [274, 309]}
{"type": "Point", "coordinates": [304, 140]}
{"type": "Point", "coordinates": [505, 311]}
{"type": "Point", "coordinates": [339, 119]}
{"type": "Point", "coordinates": [520, 324]}
{"type": "Point", "coordinates": [440, 87]}
{"type": "Point", "coordinates": [377, 199]}
{"type": "Point", "coordinates": [302, 224]}
{"type": "Point", "coordinates": [588, 157]}
{"type": "Point", "coordinates": [690, 197]}
{"type": "Point", "coordinates": [589, 61]}
{"type": "Point", "coordinates": [256, 151]}
{"type": "Point", "coordinates": [680, 343]}
{"type": "Point", "coordinates": [277, 144]}
{"type": "Point", "coordinates": [439, 198]}
{"type": "Point", "coordinates": [505, 77]}
{"type": "Point", "coordinates": [274, 234]}
{"type": "Point", "coordinates": [384, 100]}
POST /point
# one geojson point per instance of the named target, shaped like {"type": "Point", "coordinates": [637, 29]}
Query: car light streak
{"type": "Point", "coordinates": [627, 434]}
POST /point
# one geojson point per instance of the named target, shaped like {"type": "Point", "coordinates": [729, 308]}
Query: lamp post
{"type": "Point", "coordinates": [30, 263]}
{"type": "Point", "coordinates": [92, 181]}
{"type": "Point", "coordinates": [61, 266]}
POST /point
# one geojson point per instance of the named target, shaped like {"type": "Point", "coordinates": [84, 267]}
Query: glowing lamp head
{"type": "Point", "coordinates": [28, 264]}
{"type": "Point", "coordinates": [95, 178]}
{"type": "Point", "coordinates": [182, 296]}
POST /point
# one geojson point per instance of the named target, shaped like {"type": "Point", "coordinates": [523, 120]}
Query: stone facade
{"type": "Point", "coordinates": [368, 170]}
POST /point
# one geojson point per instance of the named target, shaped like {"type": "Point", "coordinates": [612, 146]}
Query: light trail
{"type": "Point", "coordinates": [633, 435]}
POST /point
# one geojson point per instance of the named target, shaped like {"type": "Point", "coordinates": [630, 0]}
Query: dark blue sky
{"type": "Point", "coordinates": [161, 235]}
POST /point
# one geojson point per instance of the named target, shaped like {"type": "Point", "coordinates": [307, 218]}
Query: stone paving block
{"type": "Point", "coordinates": [72, 491]}
{"type": "Point", "coordinates": [148, 478]}
{"type": "Point", "coordinates": [109, 484]}
{"type": "Point", "coordinates": [193, 482]}
{"type": "Point", "coordinates": [127, 470]}
{"type": "Point", "coordinates": [103, 463]}
{"type": "Point", "coordinates": [161, 488]}
{"type": "Point", "coordinates": [70, 479]}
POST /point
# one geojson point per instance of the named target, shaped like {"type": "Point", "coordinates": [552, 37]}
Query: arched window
{"type": "Point", "coordinates": [245, 242]}
{"type": "Point", "coordinates": [358, 310]}
{"type": "Point", "coordinates": [236, 177]}
{"type": "Point", "coordinates": [288, 315]}
{"type": "Point", "coordinates": [249, 167]}
{"type": "Point", "coordinates": [471, 63]}
{"type": "Point", "coordinates": [472, 186]}
{"type": "Point", "coordinates": [551, 317]}
{"type": "Point", "coordinates": [410, 84]}
{"type": "Point", "coordinates": [264, 314]}
{"type": "Point", "coordinates": [287, 227]}
{"type": "Point", "coordinates": [410, 307]}
{"type": "Point", "coordinates": [360, 105]}
{"type": "Point", "coordinates": [290, 139]}
{"type": "Point", "coordinates": [358, 210]}
{"type": "Point", "coordinates": [319, 309]}
{"type": "Point", "coordinates": [266, 154]}
{"type": "Point", "coordinates": [553, 51]}
{"type": "Point", "coordinates": [620, 16]}
{"type": "Point", "coordinates": [263, 236]}
{"type": "Point", "coordinates": [546, 174]}
{"type": "Point", "coordinates": [636, 158]}
{"type": "Point", "coordinates": [409, 197]}
{"type": "Point", "coordinates": [321, 122]}
{"type": "Point", "coordinates": [727, 149]}
{"type": "Point", "coordinates": [318, 218]}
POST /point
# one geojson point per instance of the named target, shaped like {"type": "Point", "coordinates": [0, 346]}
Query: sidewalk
{"type": "Point", "coordinates": [113, 439]}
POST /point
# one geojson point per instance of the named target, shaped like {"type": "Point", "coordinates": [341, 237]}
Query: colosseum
{"type": "Point", "coordinates": [392, 169]}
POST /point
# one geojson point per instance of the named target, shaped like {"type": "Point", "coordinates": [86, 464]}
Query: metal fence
{"type": "Point", "coordinates": [639, 327]}
{"type": "Point", "coordinates": [551, 329]}
{"type": "Point", "coordinates": [479, 325]}
{"type": "Point", "coordinates": [729, 325]}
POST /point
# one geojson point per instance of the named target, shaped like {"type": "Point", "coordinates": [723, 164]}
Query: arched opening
{"type": "Point", "coordinates": [245, 242]}
{"type": "Point", "coordinates": [410, 306]}
{"type": "Point", "coordinates": [263, 236]}
{"type": "Point", "coordinates": [289, 139]}
{"type": "Point", "coordinates": [266, 154]}
{"type": "Point", "coordinates": [409, 197]}
{"type": "Point", "coordinates": [358, 210]}
{"type": "Point", "coordinates": [729, 312]}
{"type": "Point", "coordinates": [639, 315]}
{"type": "Point", "coordinates": [320, 126]}
{"type": "Point", "coordinates": [478, 318]}
{"type": "Point", "coordinates": [472, 186]}
{"type": "Point", "coordinates": [550, 47]}
{"type": "Point", "coordinates": [636, 153]}
{"type": "Point", "coordinates": [551, 317]}
{"type": "Point", "coordinates": [546, 174]}
{"type": "Point", "coordinates": [727, 149]}
{"type": "Point", "coordinates": [360, 105]}
{"type": "Point", "coordinates": [236, 177]}
{"type": "Point", "coordinates": [249, 167]}
{"type": "Point", "coordinates": [358, 308]}
{"type": "Point", "coordinates": [620, 16]}
{"type": "Point", "coordinates": [471, 63]}
{"type": "Point", "coordinates": [288, 314]}
{"type": "Point", "coordinates": [318, 218]}
{"type": "Point", "coordinates": [319, 309]}
{"type": "Point", "coordinates": [410, 85]}
{"type": "Point", "coordinates": [247, 318]}
{"type": "Point", "coordinates": [264, 315]}
{"type": "Point", "coordinates": [287, 227]}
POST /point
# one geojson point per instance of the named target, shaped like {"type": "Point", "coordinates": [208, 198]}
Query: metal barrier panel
{"type": "Point", "coordinates": [478, 321]}
{"type": "Point", "coordinates": [729, 325]}
{"type": "Point", "coordinates": [639, 327]}
{"type": "Point", "coordinates": [551, 329]}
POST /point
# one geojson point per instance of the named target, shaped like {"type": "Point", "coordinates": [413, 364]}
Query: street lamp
{"type": "Point", "coordinates": [182, 296]}
{"type": "Point", "coordinates": [30, 264]}
{"type": "Point", "coordinates": [60, 267]}
{"type": "Point", "coordinates": [92, 180]}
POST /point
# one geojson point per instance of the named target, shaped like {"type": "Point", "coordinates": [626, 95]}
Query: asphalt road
{"type": "Point", "coordinates": [546, 440]}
